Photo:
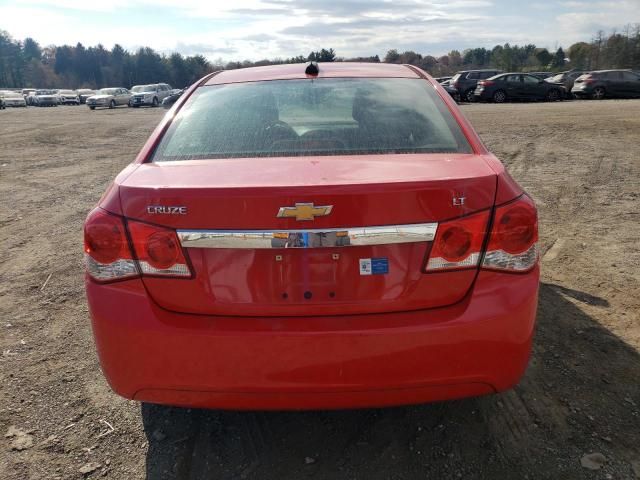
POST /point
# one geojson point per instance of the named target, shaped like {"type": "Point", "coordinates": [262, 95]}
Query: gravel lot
{"type": "Point", "coordinates": [581, 394]}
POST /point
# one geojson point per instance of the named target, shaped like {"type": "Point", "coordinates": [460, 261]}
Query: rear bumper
{"type": "Point", "coordinates": [141, 102]}
{"type": "Point", "coordinates": [478, 346]}
{"type": "Point", "coordinates": [482, 95]}
{"type": "Point", "coordinates": [582, 91]}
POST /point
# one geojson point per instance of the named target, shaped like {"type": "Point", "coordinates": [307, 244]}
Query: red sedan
{"type": "Point", "coordinates": [311, 237]}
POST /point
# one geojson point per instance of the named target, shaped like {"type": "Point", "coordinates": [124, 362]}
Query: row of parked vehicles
{"type": "Point", "coordinates": [499, 87]}
{"type": "Point", "coordinates": [139, 95]}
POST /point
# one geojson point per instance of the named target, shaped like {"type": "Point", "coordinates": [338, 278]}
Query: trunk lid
{"type": "Point", "coordinates": [364, 191]}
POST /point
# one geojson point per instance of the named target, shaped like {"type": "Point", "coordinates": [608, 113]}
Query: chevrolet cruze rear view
{"type": "Point", "coordinates": [310, 237]}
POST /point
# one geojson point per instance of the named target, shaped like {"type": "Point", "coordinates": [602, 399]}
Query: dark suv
{"type": "Point", "coordinates": [607, 83]}
{"type": "Point", "coordinates": [465, 82]}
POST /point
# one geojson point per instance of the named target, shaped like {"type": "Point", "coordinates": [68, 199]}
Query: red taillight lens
{"type": "Point", "coordinates": [104, 237]}
{"type": "Point", "coordinates": [455, 243]}
{"type": "Point", "coordinates": [107, 253]}
{"type": "Point", "coordinates": [513, 244]}
{"type": "Point", "coordinates": [458, 243]}
{"type": "Point", "coordinates": [162, 249]}
{"type": "Point", "coordinates": [487, 83]}
{"type": "Point", "coordinates": [158, 250]}
{"type": "Point", "coordinates": [516, 229]}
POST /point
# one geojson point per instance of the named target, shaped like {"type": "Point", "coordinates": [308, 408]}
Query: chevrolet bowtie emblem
{"type": "Point", "coordinates": [304, 211]}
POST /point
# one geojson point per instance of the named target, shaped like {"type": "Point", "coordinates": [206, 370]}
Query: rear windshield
{"type": "Point", "coordinates": [343, 116]}
{"type": "Point", "coordinates": [143, 88]}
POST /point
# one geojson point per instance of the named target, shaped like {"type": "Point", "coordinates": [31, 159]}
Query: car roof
{"type": "Point", "coordinates": [327, 70]}
{"type": "Point", "coordinates": [481, 70]}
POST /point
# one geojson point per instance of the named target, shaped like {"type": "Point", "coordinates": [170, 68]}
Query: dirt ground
{"type": "Point", "coordinates": [581, 394]}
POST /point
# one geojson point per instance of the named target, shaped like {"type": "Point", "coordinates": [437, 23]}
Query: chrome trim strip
{"type": "Point", "coordinates": [308, 238]}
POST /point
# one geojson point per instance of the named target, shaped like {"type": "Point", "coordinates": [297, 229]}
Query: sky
{"type": "Point", "coordinates": [257, 29]}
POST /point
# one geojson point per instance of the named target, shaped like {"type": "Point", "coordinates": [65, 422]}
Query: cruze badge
{"type": "Point", "coordinates": [166, 210]}
{"type": "Point", "coordinates": [304, 211]}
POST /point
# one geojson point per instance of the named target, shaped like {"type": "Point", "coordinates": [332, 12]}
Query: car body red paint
{"type": "Point", "coordinates": [281, 328]}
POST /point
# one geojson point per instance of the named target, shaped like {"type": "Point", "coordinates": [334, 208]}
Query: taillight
{"type": "Point", "coordinates": [107, 253]}
{"type": "Point", "coordinates": [108, 256]}
{"type": "Point", "coordinates": [458, 243]}
{"type": "Point", "coordinates": [513, 245]}
{"type": "Point", "coordinates": [158, 250]}
{"type": "Point", "coordinates": [486, 83]}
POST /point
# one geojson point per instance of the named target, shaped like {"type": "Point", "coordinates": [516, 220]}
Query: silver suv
{"type": "Point", "coordinates": [152, 94]}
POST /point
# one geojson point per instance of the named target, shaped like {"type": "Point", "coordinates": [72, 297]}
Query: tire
{"type": "Point", "coordinates": [499, 96]}
{"type": "Point", "coordinates": [92, 108]}
{"type": "Point", "coordinates": [598, 93]}
{"type": "Point", "coordinates": [553, 95]}
{"type": "Point", "coordinates": [112, 104]}
{"type": "Point", "coordinates": [155, 102]}
{"type": "Point", "coordinates": [468, 95]}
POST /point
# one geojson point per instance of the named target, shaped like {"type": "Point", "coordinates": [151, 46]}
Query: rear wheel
{"type": "Point", "coordinates": [468, 95]}
{"type": "Point", "coordinates": [499, 96]}
{"type": "Point", "coordinates": [553, 95]}
{"type": "Point", "coordinates": [598, 93]}
{"type": "Point", "coordinates": [92, 108]}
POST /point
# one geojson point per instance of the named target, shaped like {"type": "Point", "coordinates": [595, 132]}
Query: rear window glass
{"type": "Point", "coordinates": [312, 117]}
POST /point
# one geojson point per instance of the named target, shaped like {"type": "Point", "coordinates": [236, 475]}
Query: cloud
{"type": "Point", "coordinates": [255, 29]}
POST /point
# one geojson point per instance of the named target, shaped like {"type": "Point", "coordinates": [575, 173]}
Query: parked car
{"type": "Point", "coordinates": [150, 95]}
{"type": "Point", "coordinates": [442, 79]}
{"type": "Point", "coordinates": [69, 97]}
{"type": "Point", "coordinates": [411, 273]}
{"type": "Point", "coordinates": [517, 86]}
{"type": "Point", "coordinates": [46, 98]}
{"type": "Point", "coordinates": [607, 83]}
{"type": "Point", "coordinates": [465, 82]}
{"type": "Point", "coordinates": [12, 99]}
{"type": "Point", "coordinates": [84, 93]}
{"type": "Point", "coordinates": [31, 98]}
{"type": "Point", "coordinates": [451, 91]}
{"type": "Point", "coordinates": [566, 78]}
{"type": "Point", "coordinates": [175, 94]}
{"type": "Point", "coordinates": [109, 98]}
{"type": "Point", "coordinates": [26, 92]}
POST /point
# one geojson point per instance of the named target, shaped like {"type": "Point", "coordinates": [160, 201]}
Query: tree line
{"type": "Point", "coordinates": [27, 64]}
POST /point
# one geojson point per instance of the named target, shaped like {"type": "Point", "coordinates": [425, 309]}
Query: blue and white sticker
{"type": "Point", "coordinates": [374, 266]}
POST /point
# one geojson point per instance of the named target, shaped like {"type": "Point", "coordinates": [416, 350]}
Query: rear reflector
{"type": "Point", "coordinates": [458, 243]}
{"type": "Point", "coordinates": [513, 245]}
{"type": "Point", "coordinates": [109, 257]}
